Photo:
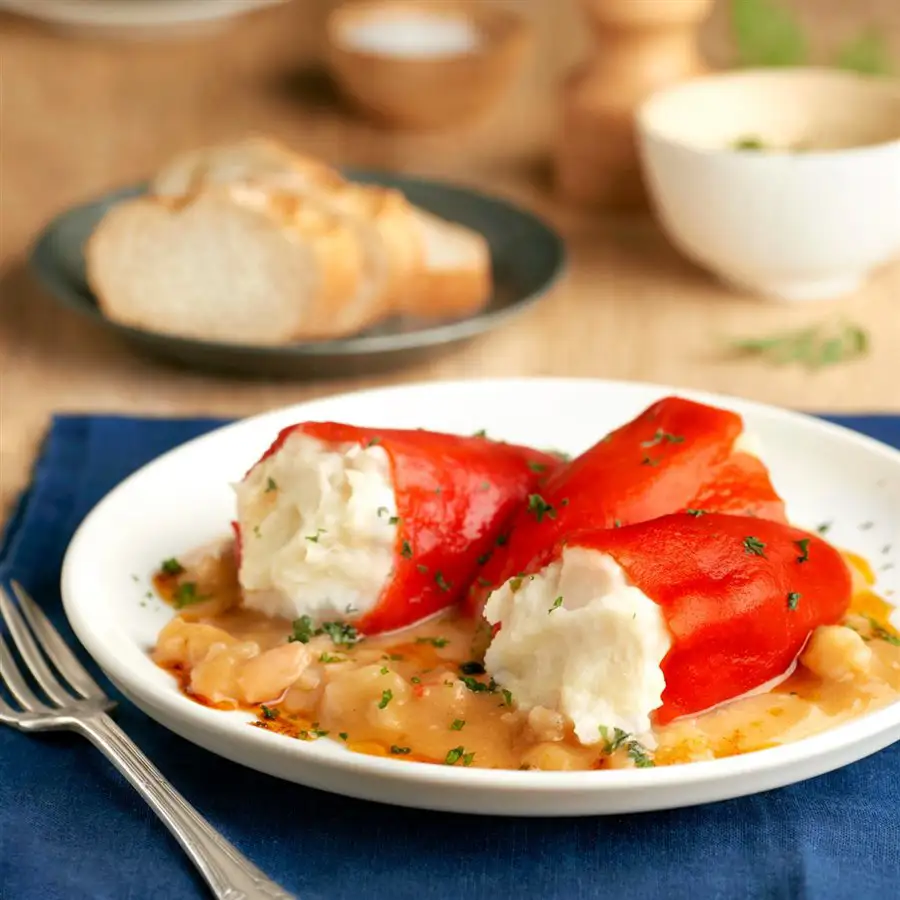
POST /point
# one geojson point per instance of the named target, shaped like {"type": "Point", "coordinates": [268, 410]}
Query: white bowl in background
{"type": "Point", "coordinates": [806, 217]}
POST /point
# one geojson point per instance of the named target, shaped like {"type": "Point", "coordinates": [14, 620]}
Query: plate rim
{"type": "Point", "coordinates": [840, 739]}
{"type": "Point", "coordinates": [41, 262]}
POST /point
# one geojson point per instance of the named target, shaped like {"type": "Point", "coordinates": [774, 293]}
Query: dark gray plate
{"type": "Point", "coordinates": [527, 257]}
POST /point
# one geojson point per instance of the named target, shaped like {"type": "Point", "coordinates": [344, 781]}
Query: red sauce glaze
{"type": "Point", "coordinates": [676, 455]}
{"type": "Point", "coordinates": [454, 496]}
{"type": "Point", "coordinates": [740, 596]}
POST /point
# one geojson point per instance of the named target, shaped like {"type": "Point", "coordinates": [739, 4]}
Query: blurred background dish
{"type": "Point", "coordinates": [527, 257]}
{"type": "Point", "coordinates": [423, 64]}
{"type": "Point", "coordinates": [135, 19]}
{"type": "Point", "coordinates": [786, 183]}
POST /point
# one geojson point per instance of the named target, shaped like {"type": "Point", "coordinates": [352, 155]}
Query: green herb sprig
{"type": "Point", "coordinates": [814, 348]}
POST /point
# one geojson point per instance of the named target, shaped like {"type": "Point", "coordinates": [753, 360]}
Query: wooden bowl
{"type": "Point", "coordinates": [424, 64]}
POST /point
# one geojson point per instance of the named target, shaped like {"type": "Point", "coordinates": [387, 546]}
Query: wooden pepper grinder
{"type": "Point", "coordinates": [641, 46]}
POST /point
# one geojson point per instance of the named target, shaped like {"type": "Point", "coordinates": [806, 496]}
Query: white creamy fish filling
{"type": "Point", "coordinates": [318, 530]}
{"type": "Point", "coordinates": [578, 638]}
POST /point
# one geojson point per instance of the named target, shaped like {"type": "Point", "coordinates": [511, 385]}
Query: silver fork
{"type": "Point", "coordinates": [82, 707]}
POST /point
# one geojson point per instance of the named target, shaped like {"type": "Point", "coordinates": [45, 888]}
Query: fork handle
{"type": "Point", "coordinates": [230, 875]}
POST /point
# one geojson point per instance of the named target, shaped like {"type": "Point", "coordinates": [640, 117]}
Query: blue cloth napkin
{"type": "Point", "coordinates": [71, 828]}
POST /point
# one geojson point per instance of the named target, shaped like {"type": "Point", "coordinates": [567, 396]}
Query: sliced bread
{"type": "Point", "coordinates": [382, 220]}
{"type": "Point", "coordinates": [456, 277]}
{"type": "Point", "coordinates": [253, 158]}
{"type": "Point", "coordinates": [231, 264]}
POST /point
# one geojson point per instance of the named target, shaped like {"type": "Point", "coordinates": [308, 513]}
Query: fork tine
{"type": "Point", "coordinates": [10, 674]}
{"type": "Point", "coordinates": [28, 650]}
{"type": "Point", "coordinates": [56, 648]}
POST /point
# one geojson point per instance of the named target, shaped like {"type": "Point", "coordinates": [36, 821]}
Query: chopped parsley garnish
{"type": "Point", "coordinates": [612, 742]}
{"type": "Point", "coordinates": [537, 467]}
{"type": "Point", "coordinates": [400, 751]}
{"type": "Point", "coordinates": [619, 738]}
{"type": "Point", "coordinates": [507, 697]}
{"type": "Point", "coordinates": [434, 641]}
{"type": "Point", "coordinates": [803, 546]}
{"type": "Point", "coordinates": [394, 657]}
{"type": "Point", "coordinates": [754, 546]}
{"type": "Point", "coordinates": [639, 755]}
{"type": "Point", "coordinates": [695, 512]}
{"type": "Point", "coordinates": [186, 595]}
{"type": "Point", "coordinates": [373, 442]}
{"type": "Point", "coordinates": [516, 583]}
{"type": "Point", "coordinates": [393, 520]}
{"type": "Point", "coordinates": [340, 632]}
{"type": "Point", "coordinates": [382, 511]}
{"type": "Point", "coordinates": [314, 538]}
{"type": "Point", "coordinates": [663, 437]}
{"type": "Point", "coordinates": [415, 679]}
{"type": "Point", "coordinates": [478, 687]}
{"type": "Point", "coordinates": [793, 600]}
{"type": "Point", "coordinates": [557, 603]}
{"type": "Point", "coordinates": [457, 724]}
{"type": "Point", "coordinates": [454, 756]}
{"type": "Point", "coordinates": [421, 568]}
{"type": "Point", "coordinates": [441, 582]}
{"type": "Point", "coordinates": [540, 507]}
{"type": "Point", "coordinates": [502, 540]}
{"type": "Point", "coordinates": [268, 712]}
{"type": "Point", "coordinates": [617, 523]}
{"type": "Point", "coordinates": [271, 486]}
{"type": "Point", "coordinates": [384, 670]}
{"type": "Point", "coordinates": [480, 433]}
{"type": "Point", "coordinates": [484, 558]}
{"type": "Point", "coordinates": [302, 630]}
{"type": "Point", "coordinates": [329, 658]}
{"type": "Point", "coordinates": [823, 528]}
{"type": "Point", "coordinates": [483, 582]}
{"type": "Point", "coordinates": [343, 735]}
{"type": "Point", "coordinates": [172, 567]}
{"type": "Point", "coordinates": [468, 758]}
{"type": "Point", "coordinates": [471, 668]}
{"type": "Point", "coordinates": [882, 633]}
{"type": "Point", "coordinates": [748, 143]}
{"type": "Point", "coordinates": [406, 550]}
{"type": "Point", "coordinates": [650, 461]}
{"type": "Point", "coordinates": [256, 531]}
{"type": "Point", "coordinates": [386, 697]}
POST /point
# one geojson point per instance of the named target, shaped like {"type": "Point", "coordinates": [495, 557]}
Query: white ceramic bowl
{"type": "Point", "coordinates": [807, 217]}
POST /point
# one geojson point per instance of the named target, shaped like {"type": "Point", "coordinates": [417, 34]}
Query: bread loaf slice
{"type": "Point", "coordinates": [456, 278]}
{"type": "Point", "coordinates": [382, 220]}
{"type": "Point", "coordinates": [250, 159]}
{"type": "Point", "coordinates": [234, 264]}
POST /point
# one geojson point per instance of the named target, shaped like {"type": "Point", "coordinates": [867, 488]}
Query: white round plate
{"type": "Point", "coordinates": [183, 499]}
{"type": "Point", "coordinates": [133, 18]}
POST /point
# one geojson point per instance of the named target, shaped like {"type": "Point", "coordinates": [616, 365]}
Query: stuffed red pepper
{"type": "Point", "coordinates": [624, 627]}
{"type": "Point", "coordinates": [676, 455]}
{"type": "Point", "coordinates": [372, 526]}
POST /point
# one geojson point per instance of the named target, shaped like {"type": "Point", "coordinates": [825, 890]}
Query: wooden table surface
{"type": "Point", "coordinates": [82, 116]}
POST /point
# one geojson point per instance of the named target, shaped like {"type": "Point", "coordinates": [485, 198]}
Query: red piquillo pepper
{"type": "Point", "coordinates": [740, 596]}
{"type": "Point", "coordinates": [676, 455]}
{"type": "Point", "coordinates": [454, 496]}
